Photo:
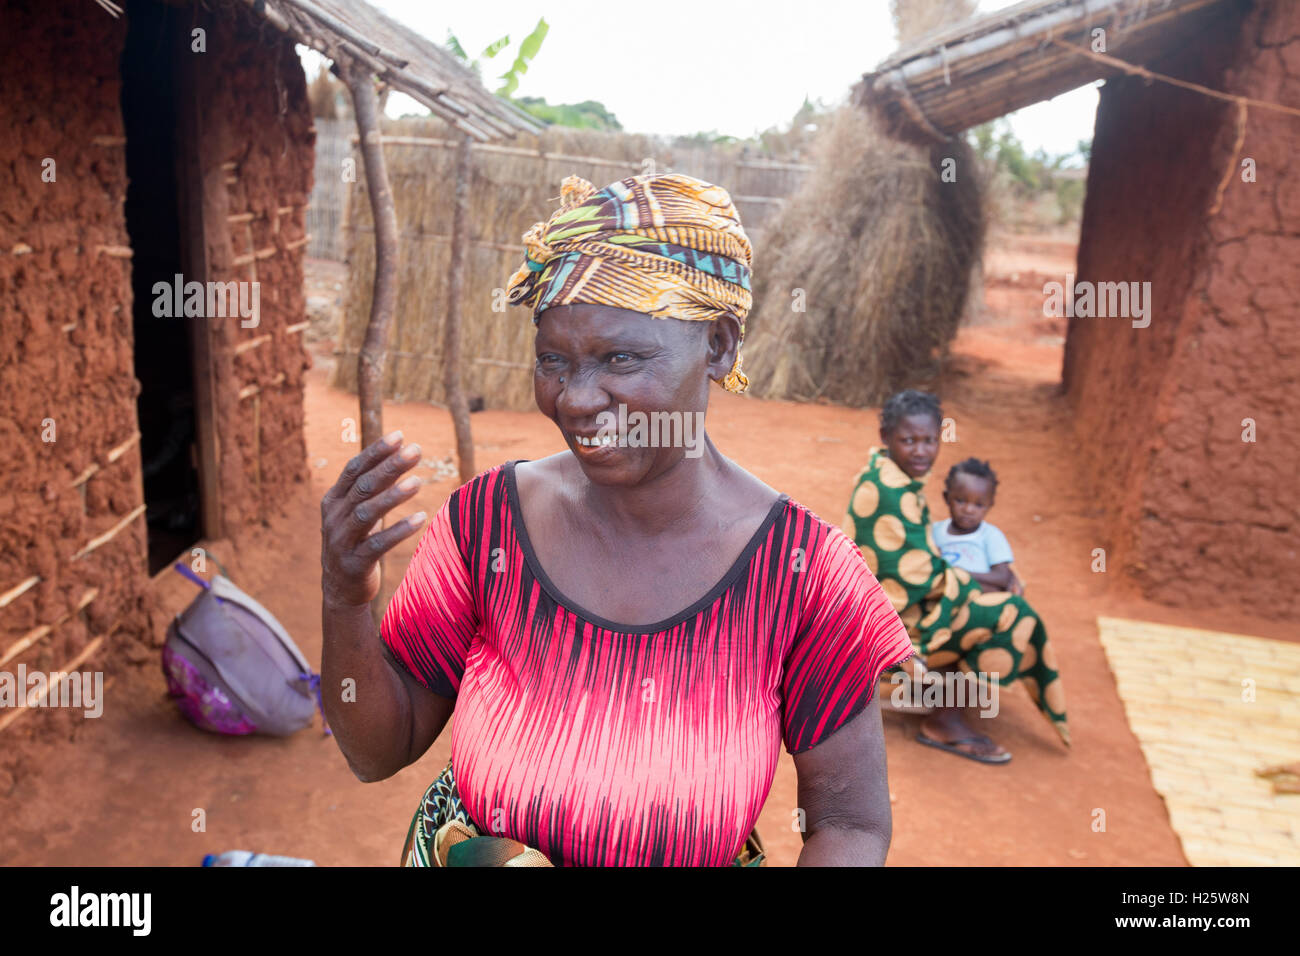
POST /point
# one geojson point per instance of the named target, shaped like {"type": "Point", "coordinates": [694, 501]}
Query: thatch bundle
{"type": "Point", "coordinates": [508, 193]}
{"type": "Point", "coordinates": [862, 276]}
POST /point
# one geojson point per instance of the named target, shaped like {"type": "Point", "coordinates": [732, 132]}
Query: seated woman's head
{"type": "Point", "coordinates": [639, 292]}
{"type": "Point", "coordinates": [909, 428]}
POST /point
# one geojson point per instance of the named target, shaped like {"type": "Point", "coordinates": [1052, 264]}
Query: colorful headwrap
{"type": "Point", "coordinates": [669, 246]}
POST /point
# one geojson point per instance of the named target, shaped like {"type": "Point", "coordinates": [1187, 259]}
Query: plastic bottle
{"type": "Point", "coordinates": [247, 858]}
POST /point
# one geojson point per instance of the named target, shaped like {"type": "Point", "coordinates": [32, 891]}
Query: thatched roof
{"type": "Point", "coordinates": [352, 30]}
{"type": "Point", "coordinates": [962, 75]}
{"type": "Point", "coordinates": [406, 61]}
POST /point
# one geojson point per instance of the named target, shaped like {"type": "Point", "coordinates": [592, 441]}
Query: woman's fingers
{"type": "Point", "coordinates": [365, 513]}
{"type": "Point", "coordinates": [364, 460]}
{"type": "Point", "coordinates": [366, 503]}
{"type": "Point", "coordinates": [381, 542]}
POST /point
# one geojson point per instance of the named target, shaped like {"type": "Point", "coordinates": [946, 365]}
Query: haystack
{"type": "Point", "coordinates": [862, 277]}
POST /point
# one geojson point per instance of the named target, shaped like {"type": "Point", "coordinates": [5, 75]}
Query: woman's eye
{"type": "Point", "coordinates": [622, 358]}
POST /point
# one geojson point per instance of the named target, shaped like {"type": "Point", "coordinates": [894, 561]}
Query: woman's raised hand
{"type": "Point", "coordinates": [367, 489]}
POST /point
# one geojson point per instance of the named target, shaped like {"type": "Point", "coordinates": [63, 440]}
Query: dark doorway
{"type": "Point", "coordinates": [156, 35]}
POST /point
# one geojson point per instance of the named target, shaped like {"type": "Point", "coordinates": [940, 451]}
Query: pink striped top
{"type": "Point", "coordinates": [603, 744]}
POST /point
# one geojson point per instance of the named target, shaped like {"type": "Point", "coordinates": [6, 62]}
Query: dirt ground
{"type": "Point", "coordinates": [127, 789]}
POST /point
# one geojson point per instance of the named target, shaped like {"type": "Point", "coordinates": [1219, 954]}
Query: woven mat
{"type": "Point", "coordinates": [1185, 694]}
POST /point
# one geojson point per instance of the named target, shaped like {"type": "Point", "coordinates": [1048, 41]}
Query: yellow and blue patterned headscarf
{"type": "Point", "coordinates": [669, 246]}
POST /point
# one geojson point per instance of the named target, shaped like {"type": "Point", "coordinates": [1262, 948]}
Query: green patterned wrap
{"type": "Point", "coordinates": [950, 620]}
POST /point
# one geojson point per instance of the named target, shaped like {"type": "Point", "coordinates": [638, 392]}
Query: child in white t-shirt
{"type": "Point", "coordinates": [965, 539]}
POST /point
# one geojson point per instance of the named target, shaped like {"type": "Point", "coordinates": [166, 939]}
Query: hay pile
{"type": "Point", "coordinates": [878, 251]}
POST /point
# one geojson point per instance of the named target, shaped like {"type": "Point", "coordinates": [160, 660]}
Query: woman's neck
{"type": "Point", "coordinates": [680, 494]}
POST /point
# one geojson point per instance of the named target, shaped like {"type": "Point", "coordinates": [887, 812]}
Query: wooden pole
{"type": "Point", "coordinates": [374, 349]}
{"type": "Point", "coordinates": [203, 207]}
{"type": "Point", "coordinates": [370, 363]}
{"type": "Point", "coordinates": [457, 404]}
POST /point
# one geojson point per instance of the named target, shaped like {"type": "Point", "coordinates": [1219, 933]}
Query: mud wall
{"type": "Point", "coordinates": [1196, 515]}
{"type": "Point", "coordinates": [66, 366]}
{"type": "Point", "coordinates": [257, 144]}
{"type": "Point", "coordinates": [73, 568]}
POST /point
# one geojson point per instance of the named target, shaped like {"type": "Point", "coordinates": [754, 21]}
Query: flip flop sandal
{"type": "Point", "coordinates": [952, 748]}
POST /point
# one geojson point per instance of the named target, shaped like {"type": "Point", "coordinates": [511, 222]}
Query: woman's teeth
{"type": "Point", "coordinates": [596, 440]}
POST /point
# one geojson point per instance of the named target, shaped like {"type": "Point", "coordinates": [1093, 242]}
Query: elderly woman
{"type": "Point", "coordinates": [951, 620]}
{"type": "Point", "coordinates": [626, 631]}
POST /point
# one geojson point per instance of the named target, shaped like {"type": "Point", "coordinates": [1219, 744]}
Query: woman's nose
{"type": "Point", "coordinates": [582, 395]}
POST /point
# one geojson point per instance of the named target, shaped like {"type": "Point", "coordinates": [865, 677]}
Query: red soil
{"type": "Point", "coordinates": [124, 791]}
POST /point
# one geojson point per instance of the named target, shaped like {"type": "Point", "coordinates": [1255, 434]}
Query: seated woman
{"type": "Point", "coordinates": [951, 621]}
{"type": "Point", "coordinates": [626, 631]}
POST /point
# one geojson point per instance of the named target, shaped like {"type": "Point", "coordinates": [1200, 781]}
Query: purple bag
{"type": "Point", "coordinates": [232, 668]}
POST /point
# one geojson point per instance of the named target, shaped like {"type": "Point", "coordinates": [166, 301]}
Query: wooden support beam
{"type": "Point", "coordinates": [370, 363]}
{"type": "Point", "coordinates": [203, 205]}
{"type": "Point", "coordinates": [457, 404]}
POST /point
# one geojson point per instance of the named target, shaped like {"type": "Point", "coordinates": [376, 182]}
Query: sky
{"type": "Point", "coordinates": [685, 66]}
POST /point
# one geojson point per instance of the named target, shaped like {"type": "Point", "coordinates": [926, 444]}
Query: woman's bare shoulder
{"type": "Point", "coordinates": [744, 485]}
{"type": "Point", "coordinates": [543, 474]}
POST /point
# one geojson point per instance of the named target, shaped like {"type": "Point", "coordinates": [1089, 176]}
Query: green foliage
{"type": "Point", "coordinates": [454, 46]}
{"type": "Point", "coordinates": [705, 138]}
{"type": "Point", "coordinates": [493, 49]}
{"type": "Point", "coordinates": [589, 114]}
{"type": "Point", "coordinates": [1030, 176]}
{"type": "Point", "coordinates": [528, 50]}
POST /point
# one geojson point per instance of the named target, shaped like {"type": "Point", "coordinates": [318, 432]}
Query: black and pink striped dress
{"type": "Point", "coordinates": [602, 744]}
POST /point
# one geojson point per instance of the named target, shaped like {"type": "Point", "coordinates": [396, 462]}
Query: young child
{"type": "Point", "coordinates": [966, 539]}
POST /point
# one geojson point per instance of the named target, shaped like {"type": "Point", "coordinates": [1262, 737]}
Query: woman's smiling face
{"type": "Point", "coordinates": [592, 359]}
{"type": "Point", "coordinates": [913, 444]}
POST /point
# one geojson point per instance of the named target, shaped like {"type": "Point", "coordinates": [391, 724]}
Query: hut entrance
{"type": "Point", "coordinates": [163, 365]}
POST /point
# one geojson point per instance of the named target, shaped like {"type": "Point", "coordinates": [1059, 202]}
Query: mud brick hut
{"type": "Point", "coordinates": [139, 143]}
{"type": "Point", "coordinates": [1186, 426]}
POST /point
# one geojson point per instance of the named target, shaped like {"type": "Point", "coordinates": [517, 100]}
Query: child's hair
{"type": "Point", "coordinates": [909, 402]}
{"type": "Point", "coordinates": [976, 469]}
